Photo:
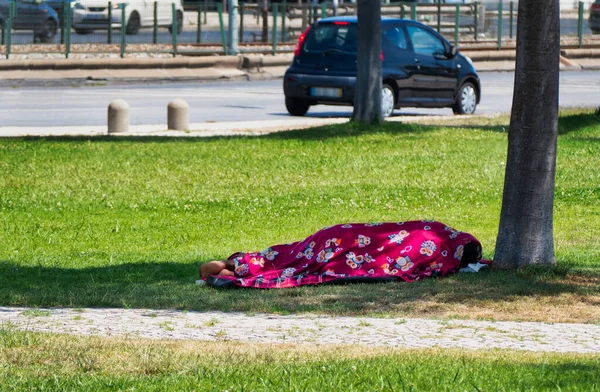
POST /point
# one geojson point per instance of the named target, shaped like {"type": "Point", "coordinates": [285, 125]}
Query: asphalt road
{"type": "Point", "coordinates": [235, 101]}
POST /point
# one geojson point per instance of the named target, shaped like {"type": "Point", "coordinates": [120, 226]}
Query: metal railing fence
{"type": "Point", "coordinates": [202, 27]}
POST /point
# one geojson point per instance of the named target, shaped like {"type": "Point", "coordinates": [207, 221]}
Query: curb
{"type": "Point", "coordinates": [66, 64]}
{"type": "Point", "coordinates": [238, 62]}
{"type": "Point", "coordinates": [511, 55]}
{"type": "Point", "coordinates": [262, 61]}
{"type": "Point", "coordinates": [580, 53]}
{"type": "Point", "coordinates": [242, 62]}
{"type": "Point", "coordinates": [490, 55]}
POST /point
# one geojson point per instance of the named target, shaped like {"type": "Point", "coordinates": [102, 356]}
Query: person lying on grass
{"type": "Point", "coordinates": [352, 252]}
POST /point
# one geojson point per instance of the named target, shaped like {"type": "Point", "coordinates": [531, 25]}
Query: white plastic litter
{"type": "Point", "coordinates": [474, 267]}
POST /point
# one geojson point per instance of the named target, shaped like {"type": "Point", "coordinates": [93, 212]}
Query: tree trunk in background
{"type": "Point", "coordinates": [265, 24]}
{"type": "Point", "coordinates": [367, 96]}
{"type": "Point", "coordinates": [525, 234]}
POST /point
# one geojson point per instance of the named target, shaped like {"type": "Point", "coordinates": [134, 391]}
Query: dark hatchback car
{"type": "Point", "coordinates": [594, 20]}
{"type": "Point", "coordinates": [31, 15]}
{"type": "Point", "coordinates": [420, 68]}
{"type": "Point", "coordinates": [59, 6]}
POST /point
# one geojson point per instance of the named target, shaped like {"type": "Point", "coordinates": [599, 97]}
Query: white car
{"type": "Point", "coordinates": [89, 15]}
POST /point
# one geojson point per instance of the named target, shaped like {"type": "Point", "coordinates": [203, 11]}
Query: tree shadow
{"type": "Point", "coordinates": [171, 285]}
{"type": "Point", "coordinates": [587, 139]}
{"type": "Point", "coordinates": [345, 130]}
{"type": "Point", "coordinates": [569, 123]}
{"type": "Point", "coordinates": [349, 130]}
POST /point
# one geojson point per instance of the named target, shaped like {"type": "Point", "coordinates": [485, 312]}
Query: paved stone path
{"type": "Point", "coordinates": [262, 328]}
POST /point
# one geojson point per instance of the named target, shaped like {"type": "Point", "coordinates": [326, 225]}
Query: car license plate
{"type": "Point", "coordinates": [95, 16]}
{"type": "Point", "coordinates": [326, 92]}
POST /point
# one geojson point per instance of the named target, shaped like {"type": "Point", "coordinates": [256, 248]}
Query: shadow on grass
{"type": "Point", "coordinates": [350, 129]}
{"type": "Point", "coordinates": [171, 285]}
{"type": "Point", "coordinates": [346, 130]}
{"type": "Point", "coordinates": [574, 122]}
{"type": "Point", "coordinates": [567, 123]}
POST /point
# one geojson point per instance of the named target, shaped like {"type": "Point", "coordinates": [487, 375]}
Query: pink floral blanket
{"type": "Point", "coordinates": [406, 251]}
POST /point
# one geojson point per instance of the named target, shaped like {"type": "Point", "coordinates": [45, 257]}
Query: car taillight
{"type": "Point", "coordinates": [381, 56]}
{"type": "Point", "coordinates": [595, 7]}
{"type": "Point", "coordinates": [341, 23]}
{"type": "Point", "coordinates": [301, 42]}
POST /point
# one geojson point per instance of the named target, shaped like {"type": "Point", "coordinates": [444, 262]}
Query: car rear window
{"type": "Point", "coordinates": [332, 36]}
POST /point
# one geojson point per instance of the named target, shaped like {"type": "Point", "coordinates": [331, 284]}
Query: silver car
{"type": "Point", "coordinates": [89, 15]}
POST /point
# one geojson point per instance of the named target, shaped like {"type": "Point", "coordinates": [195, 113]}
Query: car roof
{"type": "Point", "coordinates": [354, 19]}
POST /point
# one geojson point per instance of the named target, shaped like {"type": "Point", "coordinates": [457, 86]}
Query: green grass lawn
{"type": "Point", "coordinates": [33, 361]}
{"type": "Point", "coordinates": [125, 222]}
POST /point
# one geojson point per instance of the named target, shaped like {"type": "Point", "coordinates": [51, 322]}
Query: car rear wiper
{"type": "Point", "coordinates": [335, 50]}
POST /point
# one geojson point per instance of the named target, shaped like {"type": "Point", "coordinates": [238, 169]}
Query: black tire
{"type": "Point", "coordinates": [83, 31]}
{"type": "Point", "coordinates": [133, 24]}
{"type": "Point", "coordinates": [466, 99]}
{"type": "Point", "coordinates": [48, 31]}
{"type": "Point", "coordinates": [296, 106]}
{"type": "Point", "coordinates": [179, 23]}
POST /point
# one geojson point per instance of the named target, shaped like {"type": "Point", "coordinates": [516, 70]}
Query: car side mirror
{"type": "Point", "coordinates": [453, 51]}
{"type": "Point", "coordinates": [450, 54]}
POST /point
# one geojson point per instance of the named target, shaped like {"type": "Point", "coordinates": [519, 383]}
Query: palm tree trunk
{"type": "Point", "coordinates": [367, 96]}
{"type": "Point", "coordinates": [525, 233]}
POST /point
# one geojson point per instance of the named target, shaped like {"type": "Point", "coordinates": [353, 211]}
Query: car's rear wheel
{"type": "Point", "coordinates": [466, 99]}
{"type": "Point", "coordinates": [179, 23]}
{"type": "Point", "coordinates": [48, 31]}
{"type": "Point", "coordinates": [296, 106]}
{"type": "Point", "coordinates": [388, 100]}
{"type": "Point", "coordinates": [133, 25]}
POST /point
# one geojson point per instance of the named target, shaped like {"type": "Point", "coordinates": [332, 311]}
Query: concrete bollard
{"type": "Point", "coordinates": [118, 116]}
{"type": "Point", "coordinates": [177, 115]}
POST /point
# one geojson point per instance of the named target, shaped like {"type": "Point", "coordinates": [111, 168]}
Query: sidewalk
{"type": "Point", "coordinates": [236, 128]}
{"type": "Point", "coordinates": [233, 128]}
{"type": "Point", "coordinates": [262, 328]}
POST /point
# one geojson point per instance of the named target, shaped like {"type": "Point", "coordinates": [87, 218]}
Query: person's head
{"type": "Point", "coordinates": [471, 254]}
